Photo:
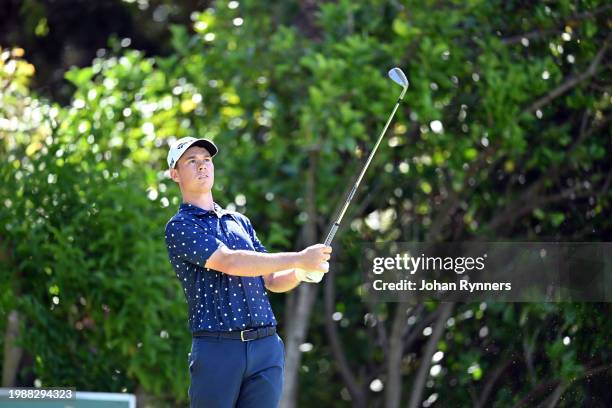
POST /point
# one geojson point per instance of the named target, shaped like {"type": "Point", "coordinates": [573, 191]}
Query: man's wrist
{"type": "Point", "coordinates": [296, 260]}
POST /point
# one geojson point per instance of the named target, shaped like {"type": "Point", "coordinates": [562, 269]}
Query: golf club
{"type": "Point", "coordinates": [398, 76]}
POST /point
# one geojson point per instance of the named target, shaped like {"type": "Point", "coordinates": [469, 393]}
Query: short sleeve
{"type": "Point", "coordinates": [256, 243]}
{"type": "Point", "coordinates": [190, 242]}
{"type": "Point", "coordinates": [259, 247]}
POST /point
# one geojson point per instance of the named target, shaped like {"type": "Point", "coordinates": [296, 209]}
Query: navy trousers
{"type": "Point", "coordinates": [228, 373]}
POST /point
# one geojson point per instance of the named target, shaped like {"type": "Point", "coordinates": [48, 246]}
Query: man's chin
{"type": "Point", "coordinates": [204, 186]}
{"type": "Point", "coordinates": [204, 180]}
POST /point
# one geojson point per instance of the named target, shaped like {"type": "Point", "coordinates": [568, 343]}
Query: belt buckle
{"type": "Point", "coordinates": [242, 335]}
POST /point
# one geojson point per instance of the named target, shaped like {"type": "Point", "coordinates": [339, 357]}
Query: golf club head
{"type": "Point", "coordinates": [398, 76]}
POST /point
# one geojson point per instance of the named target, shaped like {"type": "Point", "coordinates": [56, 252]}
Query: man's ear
{"type": "Point", "coordinates": [174, 175]}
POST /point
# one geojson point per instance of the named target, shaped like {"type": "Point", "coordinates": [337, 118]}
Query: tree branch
{"type": "Point", "coordinates": [525, 207]}
{"type": "Point", "coordinates": [571, 21]}
{"type": "Point", "coordinates": [550, 174]}
{"type": "Point", "coordinates": [517, 208]}
{"type": "Point", "coordinates": [297, 325]}
{"type": "Point", "coordinates": [557, 393]}
{"type": "Point", "coordinates": [411, 333]}
{"type": "Point", "coordinates": [572, 81]}
{"type": "Point", "coordinates": [357, 394]}
{"type": "Point", "coordinates": [393, 390]}
{"type": "Point", "coordinates": [488, 387]}
{"type": "Point", "coordinates": [452, 201]}
{"type": "Point", "coordinates": [549, 384]}
{"type": "Point", "coordinates": [12, 351]}
{"type": "Point", "coordinates": [430, 348]}
{"type": "Point", "coordinates": [537, 390]}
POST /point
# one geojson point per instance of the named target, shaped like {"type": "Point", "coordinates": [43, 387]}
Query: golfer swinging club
{"type": "Point", "coordinates": [236, 359]}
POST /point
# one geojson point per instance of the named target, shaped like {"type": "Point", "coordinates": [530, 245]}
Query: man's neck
{"type": "Point", "coordinates": [204, 201]}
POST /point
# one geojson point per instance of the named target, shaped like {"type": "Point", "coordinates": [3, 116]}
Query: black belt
{"type": "Point", "coordinates": [243, 335]}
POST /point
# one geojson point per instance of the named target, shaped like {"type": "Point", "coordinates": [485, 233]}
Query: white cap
{"type": "Point", "coordinates": [180, 146]}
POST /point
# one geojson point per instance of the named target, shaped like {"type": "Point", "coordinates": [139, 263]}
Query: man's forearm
{"type": "Point", "coordinates": [251, 263]}
{"type": "Point", "coordinates": [282, 281]}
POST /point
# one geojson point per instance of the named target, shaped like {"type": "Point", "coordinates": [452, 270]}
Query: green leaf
{"type": "Point", "coordinates": [80, 76]}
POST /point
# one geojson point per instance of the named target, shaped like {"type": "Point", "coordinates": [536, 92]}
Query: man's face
{"type": "Point", "coordinates": [195, 171]}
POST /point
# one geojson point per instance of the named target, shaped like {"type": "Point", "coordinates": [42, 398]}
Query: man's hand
{"type": "Point", "coordinates": [308, 276]}
{"type": "Point", "coordinates": [313, 263]}
{"type": "Point", "coordinates": [314, 258]}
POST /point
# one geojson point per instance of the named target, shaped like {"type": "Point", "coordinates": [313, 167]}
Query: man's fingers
{"type": "Point", "coordinates": [314, 256]}
{"type": "Point", "coordinates": [300, 274]}
{"type": "Point", "coordinates": [324, 248]}
{"type": "Point", "coordinates": [323, 267]}
{"type": "Point", "coordinates": [314, 277]}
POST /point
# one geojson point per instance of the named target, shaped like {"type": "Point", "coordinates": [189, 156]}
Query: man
{"type": "Point", "coordinates": [236, 358]}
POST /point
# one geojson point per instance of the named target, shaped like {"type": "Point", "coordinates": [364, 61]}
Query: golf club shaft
{"type": "Point", "coordinates": [336, 225]}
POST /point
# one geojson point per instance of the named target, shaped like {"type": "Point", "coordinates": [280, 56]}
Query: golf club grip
{"type": "Point", "coordinates": [332, 233]}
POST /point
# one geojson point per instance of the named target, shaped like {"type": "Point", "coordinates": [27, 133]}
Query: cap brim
{"type": "Point", "coordinates": [208, 145]}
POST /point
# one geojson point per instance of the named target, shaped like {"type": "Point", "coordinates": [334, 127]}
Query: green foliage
{"type": "Point", "coordinates": [84, 197]}
{"type": "Point", "coordinates": [85, 265]}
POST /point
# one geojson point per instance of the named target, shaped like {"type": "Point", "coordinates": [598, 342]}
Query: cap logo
{"type": "Point", "coordinates": [180, 146]}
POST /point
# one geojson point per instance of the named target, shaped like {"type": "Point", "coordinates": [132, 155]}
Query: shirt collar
{"type": "Point", "coordinates": [195, 210]}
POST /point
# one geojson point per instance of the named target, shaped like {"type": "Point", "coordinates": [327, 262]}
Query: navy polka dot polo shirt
{"type": "Point", "coordinates": [216, 301]}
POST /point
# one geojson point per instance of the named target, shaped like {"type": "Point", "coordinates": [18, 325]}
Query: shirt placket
{"type": "Point", "coordinates": [220, 298]}
{"type": "Point", "coordinates": [249, 290]}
